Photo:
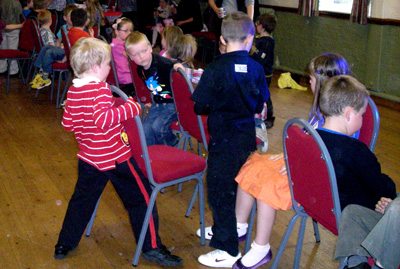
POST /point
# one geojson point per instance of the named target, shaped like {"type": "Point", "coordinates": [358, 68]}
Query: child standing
{"type": "Point", "coordinates": [90, 113]}
{"type": "Point", "coordinates": [10, 11]}
{"type": "Point", "coordinates": [122, 28]}
{"type": "Point", "coordinates": [154, 70]}
{"type": "Point", "coordinates": [232, 89]}
{"type": "Point", "coordinates": [263, 52]}
{"type": "Point", "coordinates": [162, 13]}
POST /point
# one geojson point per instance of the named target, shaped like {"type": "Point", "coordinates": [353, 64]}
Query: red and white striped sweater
{"type": "Point", "coordinates": [90, 113]}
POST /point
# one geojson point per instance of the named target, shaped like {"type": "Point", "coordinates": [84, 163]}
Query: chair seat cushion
{"type": "Point", "coordinates": [60, 65]}
{"type": "Point", "coordinates": [205, 35]}
{"type": "Point", "coordinates": [169, 163]}
{"type": "Point", "coordinates": [175, 126]}
{"type": "Point", "coordinates": [12, 54]}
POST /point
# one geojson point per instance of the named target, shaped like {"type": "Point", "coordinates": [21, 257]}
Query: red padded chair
{"type": "Point", "coordinates": [312, 183]}
{"type": "Point", "coordinates": [163, 166]}
{"type": "Point", "coordinates": [192, 125]}
{"type": "Point", "coordinates": [370, 126]}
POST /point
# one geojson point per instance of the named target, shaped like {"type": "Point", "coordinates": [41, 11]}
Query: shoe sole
{"type": "Point", "coordinates": [42, 86]}
{"type": "Point", "coordinates": [165, 263]}
{"type": "Point", "coordinates": [63, 256]}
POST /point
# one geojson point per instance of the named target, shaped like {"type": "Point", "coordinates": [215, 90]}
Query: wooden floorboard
{"type": "Point", "coordinates": [38, 172]}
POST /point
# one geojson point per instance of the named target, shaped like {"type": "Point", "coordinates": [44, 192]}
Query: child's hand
{"type": "Point", "coordinates": [178, 65]}
{"type": "Point", "coordinates": [147, 105]}
{"type": "Point", "coordinates": [91, 32]}
{"type": "Point", "coordinates": [277, 157]}
{"type": "Point", "coordinates": [382, 204]}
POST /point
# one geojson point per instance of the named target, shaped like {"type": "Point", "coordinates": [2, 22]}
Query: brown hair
{"type": "Point", "coordinates": [268, 22]}
{"type": "Point", "coordinates": [121, 22]}
{"type": "Point", "coordinates": [39, 4]}
{"type": "Point", "coordinates": [323, 67]}
{"type": "Point", "coordinates": [91, 10]}
{"type": "Point", "coordinates": [171, 34]}
{"type": "Point", "coordinates": [185, 49]}
{"type": "Point", "coordinates": [69, 8]}
{"type": "Point", "coordinates": [236, 27]}
{"type": "Point", "coordinates": [44, 16]}
{"type": "Point", "coordinates": [340, 92]}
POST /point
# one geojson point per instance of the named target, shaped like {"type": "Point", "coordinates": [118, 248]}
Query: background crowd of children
{"type": "Point", "coordinates": [238, 106]}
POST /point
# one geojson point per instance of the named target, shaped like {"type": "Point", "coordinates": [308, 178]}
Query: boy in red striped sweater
{"type": "Point", "coordinates": [104, 153]}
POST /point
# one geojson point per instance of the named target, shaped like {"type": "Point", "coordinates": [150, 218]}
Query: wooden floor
{"type": "Point", "coordinates": [38, 172]}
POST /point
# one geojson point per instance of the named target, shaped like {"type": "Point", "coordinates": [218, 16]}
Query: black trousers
{"type": "Point", "coordinates": [223, 167]}
{"type": "Point", "coordinates": [131, 186]}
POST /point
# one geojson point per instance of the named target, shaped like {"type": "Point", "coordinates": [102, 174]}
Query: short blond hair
{"type": "Point", "coordinates": [135, 38]}
{"type": "Point", "coordinates": [44, 16]}
{"type": "Point", "coordinates": [87, 52]}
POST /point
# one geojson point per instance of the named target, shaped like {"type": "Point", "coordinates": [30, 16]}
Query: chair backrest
{"type": "Point", "coordinates": [54, 21]}
{"type": "Point", "coordinates": [112, 77]}
{"type": "Point", "coordinates": [194, 124]}
{"type": "Point", "coordinates": [142, 92]}
{"type": "Point", "coordinates": [26, 37]}
{"type": "Point", "coordinates": [65, 40]}
{"type": "Point", "coordinates": [370, 126]}
{"type": "Point", "coordinates": [311, 174]}
{"type": "Point", "coordinates": [37, 37]}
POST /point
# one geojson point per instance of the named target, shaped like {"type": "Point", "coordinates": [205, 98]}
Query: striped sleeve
{"type": "Point", "coordinates": [67, 120]}
{"type": "Point", "coordinates": [106, 116]}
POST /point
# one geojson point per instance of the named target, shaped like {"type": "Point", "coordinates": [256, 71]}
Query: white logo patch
{"type": "Point", "coordinates": [240, 68]}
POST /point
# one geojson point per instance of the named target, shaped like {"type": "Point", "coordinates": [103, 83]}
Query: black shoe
{"type": "Point", "coordinates": [61, 251]}
{"type": "Point", "coordinates": [363, 265]}
{"type": "Point", "coordinates": [269, 123]}
{"type": "Point", "coordinates": [162, 256]}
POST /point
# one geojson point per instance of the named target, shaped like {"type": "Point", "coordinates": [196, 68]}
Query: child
{"type": "Point", "coordinates": [79, 21]}
{"type": "Point", "coordinates": [38, 5]}
{"type": "Point", "coordinates": [90, 113]}
{"type": "Point", "coordinates": [260, 172]}
{"type": "Point", "coordinates": [357, 171]}
{"type": "Point", "coordinates": [162, 13]}
{"type": "Point", "coordinates": [232, 89]}
{"type": "Point", "coordinates": [42, 79]}
{"type": "Point", "coordinates": [263, 52]}
{"type": "Point", "coordinates": [168, 38]}
{"type": "Point", "coordinates": [122, 28]}
{"type": "Point", "coordinates": [95, 13]}
{"type": "Point", "coordinates": [154, 70]}
{"type": "Point", "coordinates": [50, 54]}
{"type": "Point", "coordinates": [10, 11]}
{"type": "Point", "coordinates": [343, 102]}
{"type": "Point", "coordinates": [27, 6]}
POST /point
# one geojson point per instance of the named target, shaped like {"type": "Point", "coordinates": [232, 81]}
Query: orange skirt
{"type": "Point", "coordinates": [260, 178]}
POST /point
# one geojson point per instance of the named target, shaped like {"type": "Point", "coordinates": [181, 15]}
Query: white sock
{"type": "Point", "coordinates": [255, 254]}
{"type": "Point", "coordinates": [242, 228]}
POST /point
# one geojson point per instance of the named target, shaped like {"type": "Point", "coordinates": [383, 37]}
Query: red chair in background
{"type": "Point", "coordinates": [143, 94]}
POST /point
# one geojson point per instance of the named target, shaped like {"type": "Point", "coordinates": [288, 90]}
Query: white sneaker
{"type": "Point", "coordinates": [241, 232]}
{"type": "Point", "coordinates": [261, 133]}
{"type": "Point", "coordinates": [218, 258]}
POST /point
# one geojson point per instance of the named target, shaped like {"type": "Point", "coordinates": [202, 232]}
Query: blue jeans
{"type": "Point", "coordinates": [156, 124]}
{"type": "Point", "coordinates": [47, 56]}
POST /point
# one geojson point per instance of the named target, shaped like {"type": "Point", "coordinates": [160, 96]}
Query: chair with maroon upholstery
{"type": "Point", "coordinates": [370, 127]}
{"type": "Point", "coordinates": [312, 183]}
{"type": "Point", "coordinates": [142, 92]}
{"type": "Point", "coordinates": [163, 166]}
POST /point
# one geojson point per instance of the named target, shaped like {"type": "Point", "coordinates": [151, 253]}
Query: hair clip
{"type": "Point", "coordinates": [322, 74]}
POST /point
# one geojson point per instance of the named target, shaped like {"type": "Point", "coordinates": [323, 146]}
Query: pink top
{"type": "Point", "coordinates": [121, 61]}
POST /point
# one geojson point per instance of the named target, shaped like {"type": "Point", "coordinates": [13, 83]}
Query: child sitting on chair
{"type": "Point", "coordinates": [104, 153]}
{"type": "Point", "coordinates": [342, 101]}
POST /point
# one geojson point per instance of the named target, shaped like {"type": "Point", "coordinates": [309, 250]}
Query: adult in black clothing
{"type": "Point", "coordinates": [187, 16]}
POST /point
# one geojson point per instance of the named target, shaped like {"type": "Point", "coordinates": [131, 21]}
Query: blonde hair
{"type": "Point", "coordinates": [135, 38]}
{"type": "Point", "coordinates": [119, 23]}
{"type": "Point", "coordinates": [91, 10]}
{"type": "Point", "coordinates": [184, 49]}
{"type": "Point", "coordinates": [44, 16]}
{"type": "Point", "coordinates": [87, 52]}
{"type": "Point", "coordinates": [340, 92]}
{"type": "Point", "coordinates": [322, 68]}
{"type": "Point", "coordinates": [171, 35]}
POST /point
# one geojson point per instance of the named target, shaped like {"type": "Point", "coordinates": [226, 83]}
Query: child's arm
{"type": "Point", "coordinates": [91, 32]}
{"type": "Point", "coordinates": [105, 115]}
{"type": "Point", "coordinates": [14, 26]}
{"type": "Point", "coordinates": [59, 42]}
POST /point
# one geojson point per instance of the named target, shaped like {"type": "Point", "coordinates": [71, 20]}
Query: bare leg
{"type": "Point", "coordinates": [265, 222]}
{"type": "Point", "coordinates": [244, 204]}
